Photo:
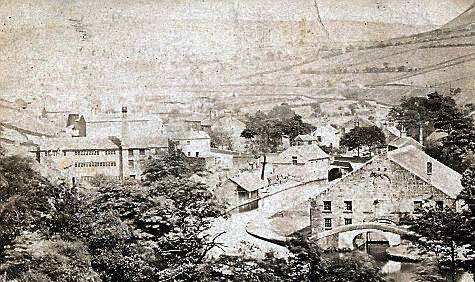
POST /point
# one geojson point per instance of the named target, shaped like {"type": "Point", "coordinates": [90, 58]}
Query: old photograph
{"type": "Point", "coordinates": [237, 140]}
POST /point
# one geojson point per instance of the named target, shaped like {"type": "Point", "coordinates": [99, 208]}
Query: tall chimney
{"type": "Point", "coordinates": [125, 127]}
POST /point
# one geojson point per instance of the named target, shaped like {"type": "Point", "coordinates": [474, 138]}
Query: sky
{"type": "Point", "coordinates": [417, 12]}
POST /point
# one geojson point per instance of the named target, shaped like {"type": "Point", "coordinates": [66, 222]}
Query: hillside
{"type": "Point", "coordinates": [440, 60]}
{"type": "Point", "coordinates": [466, 18]}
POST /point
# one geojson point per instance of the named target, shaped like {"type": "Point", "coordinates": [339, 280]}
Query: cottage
{"type": "Point", "coordinates": [327, 136]}
{"type": "Point", "coordinates": [195, 144]}
{"type": "Point", "coordinates": [385, 189]}
{"type": "Point", "coordinates": [307, 139]}
{"type": "Point", "coordinates": [305, 162]}
{"type": "Point", "coordinates": [240, 189]}
{"type": "Point", "coordinates": [404, 141]}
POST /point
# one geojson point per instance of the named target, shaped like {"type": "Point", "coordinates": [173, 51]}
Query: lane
{"type": "Point", "coordinates": [236, 240]}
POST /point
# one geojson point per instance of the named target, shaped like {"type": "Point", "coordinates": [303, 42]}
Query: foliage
{"type": "Point", "coordinates": [435, 111]}
{"type": "Point", "coordinates": [305, 264]}
{"type": "Point", "coordinates": [115, 232]}
{"type": "Point", "coordinates": [221, 140]}
{"type": "Point", "coordinates": [267, 130]}
{"type": "Point", "coordinates": [358, 137]}
{"type": "Point", "coordinates": [440, 112]}
{"type": "Point", "coordinates": [444, 232]}
{"type": "Point", "coordinates": [174, 164]}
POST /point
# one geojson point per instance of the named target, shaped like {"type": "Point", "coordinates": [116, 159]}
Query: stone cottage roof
{"type": "Point", "coordinates": [415, 161]}
{"type": "Point", "coordinates": [325, 128]}
{"type": "Point", "coordinates": [405, 141]}
{"type": "Point", "coordinates": [303, 153]}
{"type": "Point", "coordinates": [249, 181]}
{"type": "Point", "coordinates": [306, 137]}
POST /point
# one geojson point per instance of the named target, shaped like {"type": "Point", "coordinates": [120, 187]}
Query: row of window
{"type": "Point", "coordinates": [86, 153]}
{"type": "Point", "coordinates": [327, 206]}
{"type": "Point", "coordinates": [95, 152]}
{"type": "Point", "coordinates": [328, 223]}
{"type": "Point", "coordinates": [94, 164]}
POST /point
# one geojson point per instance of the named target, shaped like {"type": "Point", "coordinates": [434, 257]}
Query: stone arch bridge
{"type": "Point", "coordinates": [343, 237]}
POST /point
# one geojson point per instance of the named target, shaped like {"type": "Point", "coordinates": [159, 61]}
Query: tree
{"type": "Point", "coordinates": [435, 111]}
{"type": "Point", "coordinates": [221, 140]}
{"type": "Point", "coordinates": [173, 164]}
{"type": "Point", "coordinates": [266, 130]}
{"type": "Point", "coordinates": [443, 232]}
{"type": "Point", "coordinates": [358, 137]}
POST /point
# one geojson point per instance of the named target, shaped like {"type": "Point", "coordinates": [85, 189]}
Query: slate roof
{"type": "Point", "coordinates": [404, 142]}
{"type": "Point", "coordinates": [249, 181]}
{"type": "Point", "coordinates": [302, 152]}
{"type": "Point", "coordinates": [415, 161]}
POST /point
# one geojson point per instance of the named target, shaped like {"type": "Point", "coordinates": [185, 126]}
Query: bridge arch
{"type": "Point", "coordinates": [343, 236]}
{"type": "Point", "coordinates": [346, 239]}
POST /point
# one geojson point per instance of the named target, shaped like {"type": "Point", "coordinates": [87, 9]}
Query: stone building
{"type": "Point", "coordinates": [82, 158]}
{"type": "Point", "coordinates": [384, 189]}
{"type": "Point", "coordinates": [304, 162]}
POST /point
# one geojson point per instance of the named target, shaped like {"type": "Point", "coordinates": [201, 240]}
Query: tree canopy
{"type": "Point", "coordinates": [436, 111]}
{"type": "Point", "coordinates": [267, 130]}
{"type": "Point", "coordinates": [359, 137]}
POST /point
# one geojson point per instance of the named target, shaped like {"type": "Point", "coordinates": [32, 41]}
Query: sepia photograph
{"type": "Point", "coordinates": [237, 140]}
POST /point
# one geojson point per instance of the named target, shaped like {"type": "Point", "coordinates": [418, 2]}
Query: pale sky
{"type": "Point", "coordinates": [417, 12]}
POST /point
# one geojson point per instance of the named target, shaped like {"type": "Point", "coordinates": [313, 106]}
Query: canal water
{"type": "Point", "coordinates": [405, 272]}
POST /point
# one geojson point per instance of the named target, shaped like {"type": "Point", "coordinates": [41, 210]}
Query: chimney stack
{"type": "Point", "coordinates": [125, 126]}
{"type": "Point", "coordinates": [403, 131]}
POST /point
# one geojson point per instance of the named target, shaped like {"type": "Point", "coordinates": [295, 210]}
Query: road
{"type": "Point", "coordinates": [236, 240]}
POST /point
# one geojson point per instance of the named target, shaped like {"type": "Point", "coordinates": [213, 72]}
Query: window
{"type": "Point", "coordinates": [64, 153]}
{"type": "Point", "coordinates": [328, 223]}
{"type": "Point", "coordinates": [439, 205]}
{"type": "Point", "coordinates": [319, 138]}
{"type": "Point", "coordinates": [142, 152]}
{"type": "Point", "coordinates": [197, 154]}
{"type": "Point", "coordinates": [348, 221]}
{"type": "Point", "coordinates": [348, 206]}
{"type": "Point", "coordinates": [188, 142]}
{"type": "Point", "coordinates": [132, 176]}
{"type": "Point", "coordinates": [189, 154]}
{"type": "Point", "coordinates": [131, 152]}
{"type": "Point", "coordinates": [131, 163]}
{"type": "Point", "coordinates": [309, 142]}
{"type": "Point", "coordinates": [327, 206]}
{"type": "Point", "coordinates": [417, 206]}
{"type": "Point", "coordinates": [294, 160]}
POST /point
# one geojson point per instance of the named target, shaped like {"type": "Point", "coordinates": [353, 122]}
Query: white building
{"type": "Point", "coordinates": [327, 136]}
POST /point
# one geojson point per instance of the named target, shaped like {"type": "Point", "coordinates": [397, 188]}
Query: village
{"type": "Point", "coordinates": [272, 140]}
{"type": "Point", "coordinates": [316, 181]}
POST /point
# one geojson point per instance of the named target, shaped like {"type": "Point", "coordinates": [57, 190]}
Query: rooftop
{"type": "Point", "coordinates": [249, 181]}
{"type": "Point", "coordinates": [302, 152]}
{"type": "Point", "coordinates": [415, 160]}
{"type": "Point", "coordinates": [405, 141]}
